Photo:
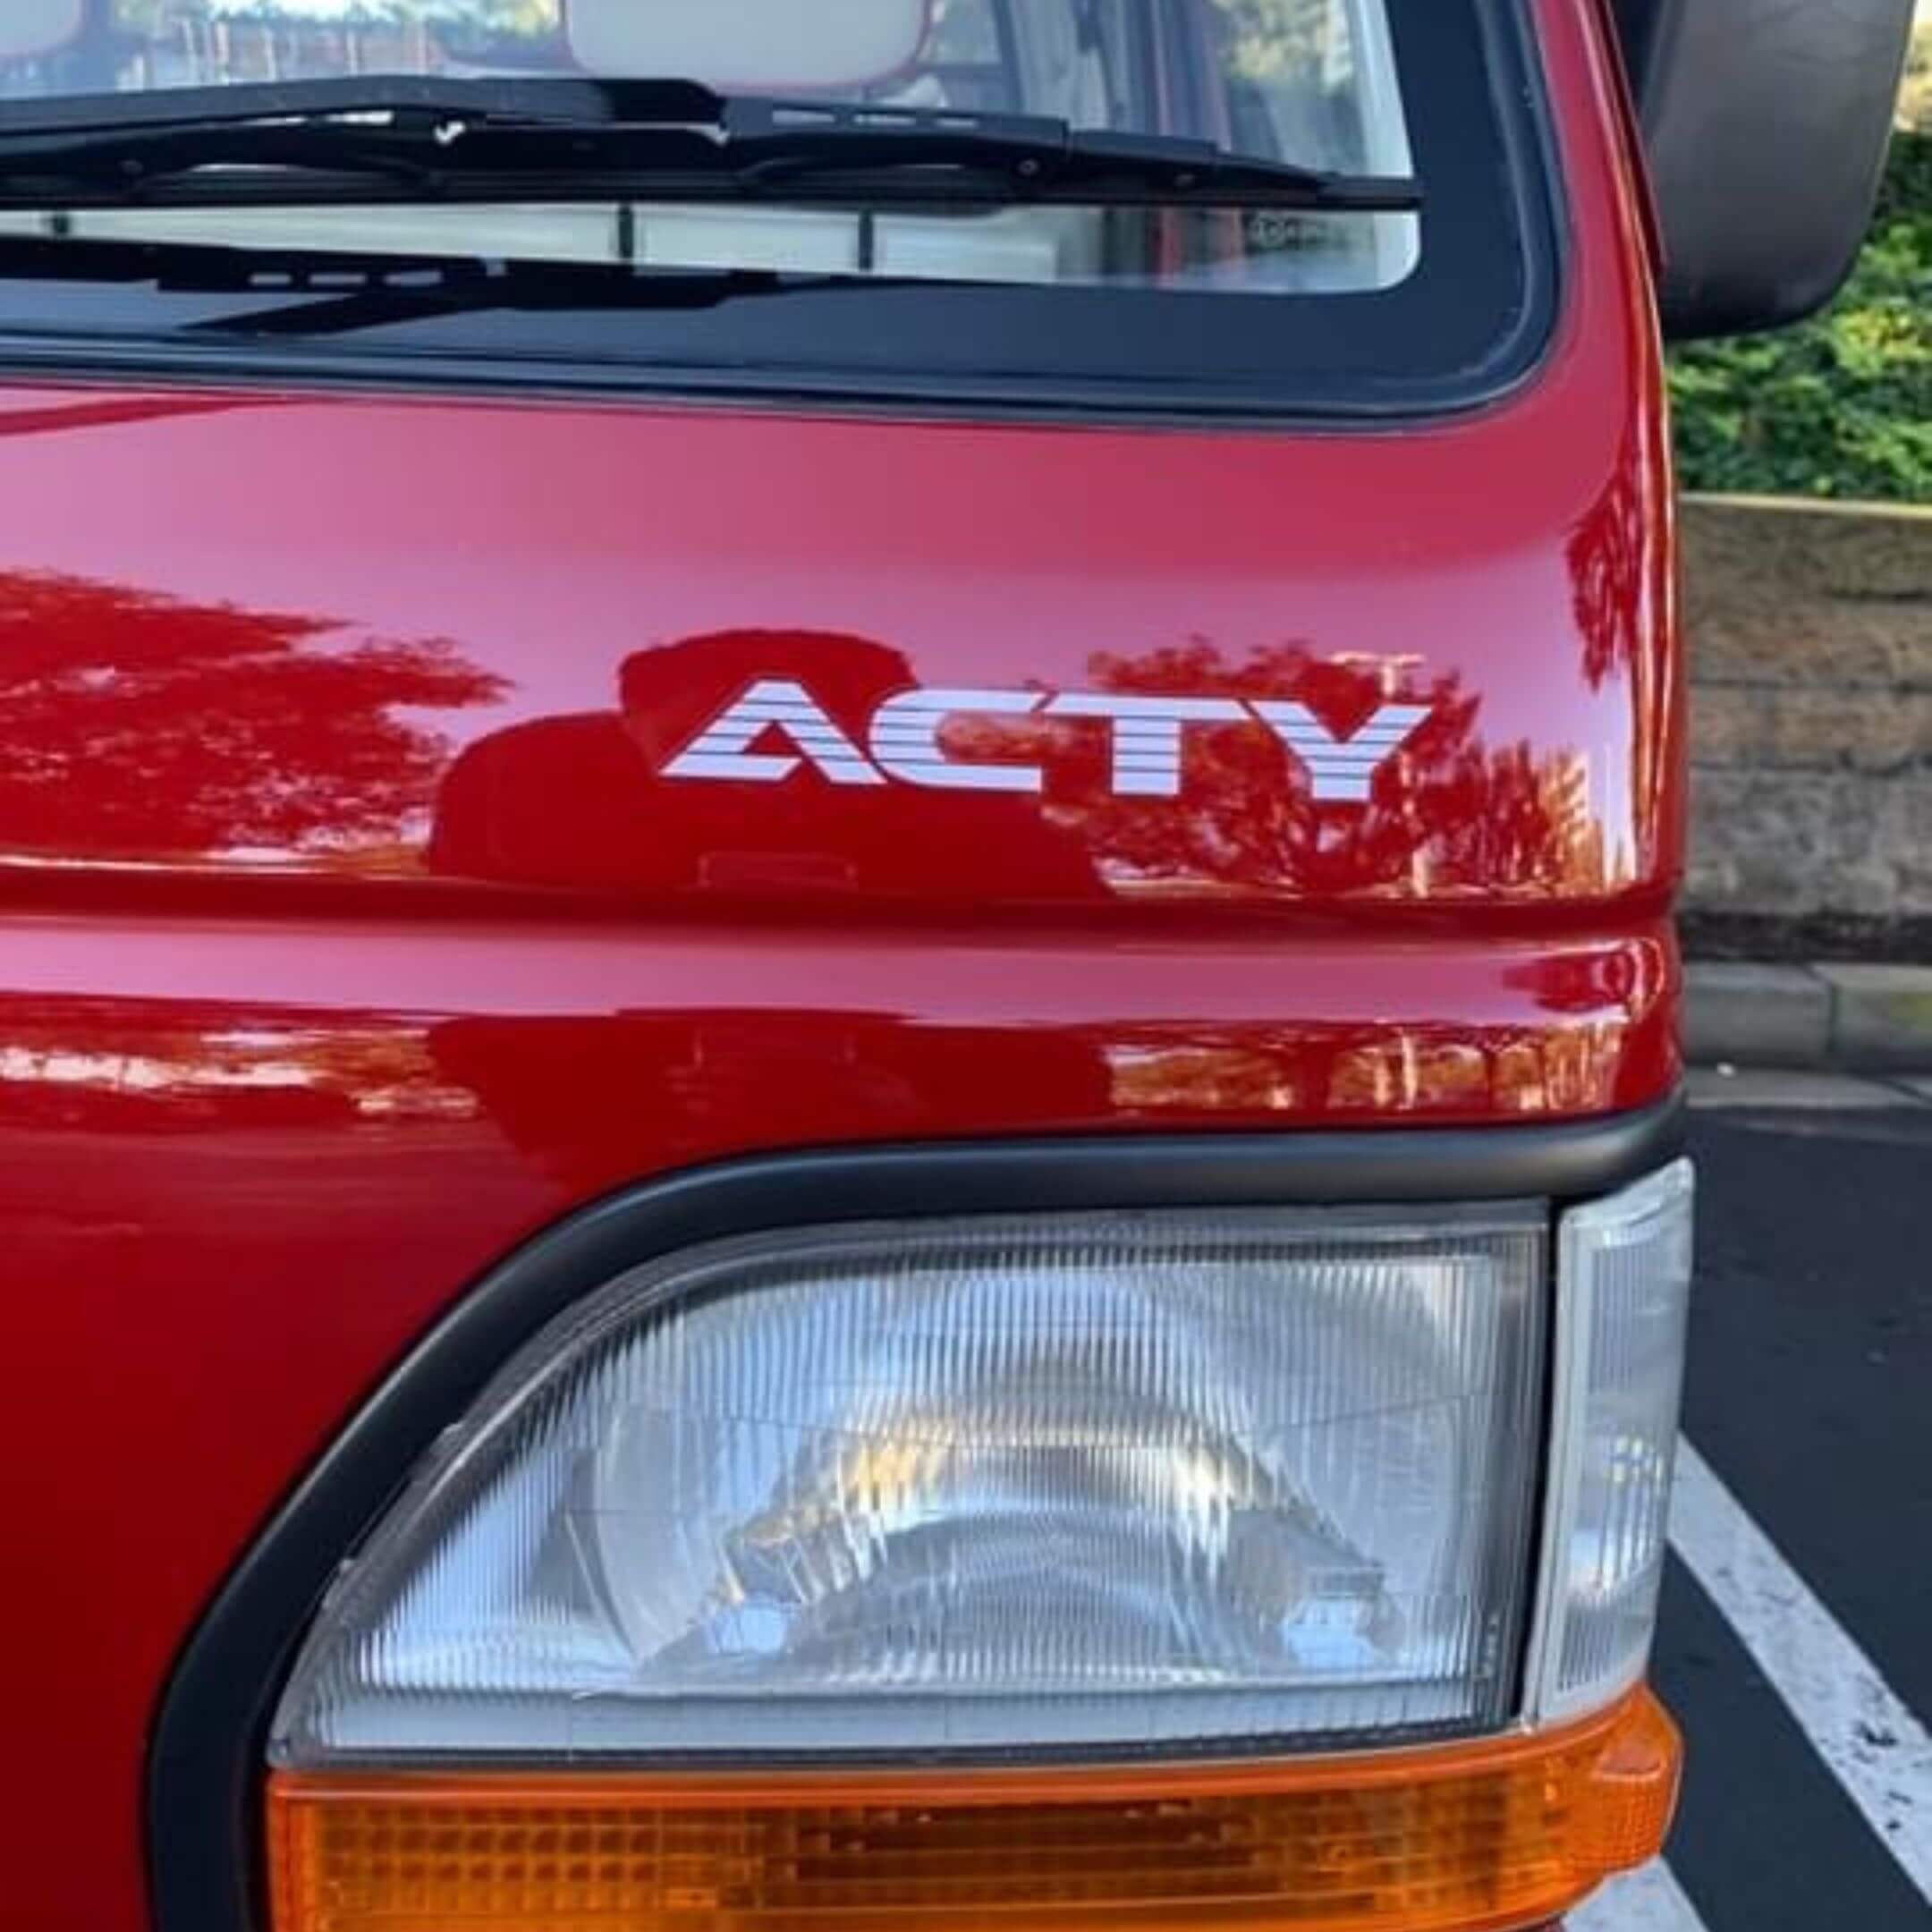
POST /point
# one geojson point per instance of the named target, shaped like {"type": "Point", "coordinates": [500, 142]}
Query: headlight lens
{"type": "Point", "coordinates": [1060, 1480]}
{"type": "Point", "coordinates": [1623, 1307]}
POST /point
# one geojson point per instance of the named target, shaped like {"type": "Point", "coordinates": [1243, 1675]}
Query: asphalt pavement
{"type": "Point", "coordinates": [1795, 1645]}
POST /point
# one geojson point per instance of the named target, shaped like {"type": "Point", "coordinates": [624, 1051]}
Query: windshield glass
{"type": "Point", "coordinates": [1411, 265]}
{"type": "Point", "coordinates": [1310, 81]}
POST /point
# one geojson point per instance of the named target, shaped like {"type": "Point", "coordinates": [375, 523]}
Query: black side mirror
{"type": "Point", "coordinates": [1766, 122]}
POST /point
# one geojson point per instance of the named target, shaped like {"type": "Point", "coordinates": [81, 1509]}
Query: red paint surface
{"type": "Point", "coordinates": [346, 937]}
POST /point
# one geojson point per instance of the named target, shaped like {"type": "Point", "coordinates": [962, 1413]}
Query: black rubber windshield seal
{"type": "Point", "coordinates": [207, 1753]}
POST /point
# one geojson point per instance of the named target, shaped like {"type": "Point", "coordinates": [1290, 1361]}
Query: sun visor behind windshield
{"type": "Point", "coordinates": [767, 44]}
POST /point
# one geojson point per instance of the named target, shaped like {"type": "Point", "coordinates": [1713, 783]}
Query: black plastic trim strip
{"type": "Point", "coordinates": [207, 1751]}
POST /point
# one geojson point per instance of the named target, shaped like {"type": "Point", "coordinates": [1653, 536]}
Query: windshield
{"type": "Point", "coordinates": [1311, 81]}
{"type": "Point", "coordinates": [1326, 85]}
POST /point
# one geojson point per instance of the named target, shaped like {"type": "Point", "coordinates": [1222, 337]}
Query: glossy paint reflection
{"type": "Point", "coordinates": [1451, 815]}
{"type": "Point", "coordinates": [583, 801]}
{"type": "Point", "coordinates": [84, 1065]}
{"type": "Point", "coordinates": [579, 1062]}
{"type": "Point", "coordinates": [138, 727]}
{"type": "Point", "coordinates": [151, 731]}
{"type": "Point", "coordinates": [1622, 563]}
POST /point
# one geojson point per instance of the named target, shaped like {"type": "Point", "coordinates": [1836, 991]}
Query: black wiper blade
{"type": "Point", "coordinates": [388, 138]}
{"type": "Point", "coordinates": [568, 100]}
{"type": "Point", "coordinates": [1027, 157]}
{"type": "Point", "coordinates": [353, 137]}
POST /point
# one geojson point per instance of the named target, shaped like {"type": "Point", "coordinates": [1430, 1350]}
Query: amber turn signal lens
{"type": "Point", "coordinates": [1463, 1838]}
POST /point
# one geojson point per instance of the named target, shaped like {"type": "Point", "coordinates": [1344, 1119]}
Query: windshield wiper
{"type": "Point", "coordinates": [360, 139]}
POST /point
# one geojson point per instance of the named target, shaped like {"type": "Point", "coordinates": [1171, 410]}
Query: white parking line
{"type": "Point", "coordinates": [1648, 1901]}
{"type": "Point", "coordinates": [1876, 1747]}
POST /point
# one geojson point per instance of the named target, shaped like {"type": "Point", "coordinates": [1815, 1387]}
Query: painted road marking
{"type": "Point", "coordinates": [1648, 1901]}
{"type": "Point", "coordinates": [1876, 1747]}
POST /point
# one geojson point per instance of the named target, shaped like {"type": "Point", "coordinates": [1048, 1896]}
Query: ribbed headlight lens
{"type": "Point", "coordinates": [1060, 1480]}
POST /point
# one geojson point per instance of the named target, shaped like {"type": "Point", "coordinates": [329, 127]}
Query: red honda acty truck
{"type": "Point", "coordinates": [838, 1021]}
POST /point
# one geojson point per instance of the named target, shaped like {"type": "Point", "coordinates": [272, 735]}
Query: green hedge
{"type": "Point", "coordinates": [1841, 406]}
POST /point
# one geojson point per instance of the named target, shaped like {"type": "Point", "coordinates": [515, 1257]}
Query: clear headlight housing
{"type": "Point", "coordinates": [1622, 1310]}
{"type": "Point", "coordinates": [1084, 1482]}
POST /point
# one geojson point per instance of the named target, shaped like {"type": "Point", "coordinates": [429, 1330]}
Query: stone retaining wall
{"type": "Point", "coordinates": [1810, 629]}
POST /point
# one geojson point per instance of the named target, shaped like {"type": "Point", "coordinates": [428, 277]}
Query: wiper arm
{"type": "Point", "coordinates": [399, 138]}
{"type": "Point", "coordinates": [1027, 157]}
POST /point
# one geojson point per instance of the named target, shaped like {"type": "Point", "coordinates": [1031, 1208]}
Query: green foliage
{"type": "Point", "coordinates": [1915, 101]}
{"type": "Point", "coordinates": [1267, 38]}
{"type": "Point", "coordinates": [1841, 406]}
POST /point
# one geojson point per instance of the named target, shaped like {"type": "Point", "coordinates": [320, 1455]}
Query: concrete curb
{"type": "Point", "coordinates": [1857, 1019]}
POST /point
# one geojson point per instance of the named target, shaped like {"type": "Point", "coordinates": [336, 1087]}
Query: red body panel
{"type": "Point", "coordinates": [346, 936]}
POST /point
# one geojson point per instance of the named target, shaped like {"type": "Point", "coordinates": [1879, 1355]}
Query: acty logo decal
{"type": "Point", "coordinates": [903, 739]}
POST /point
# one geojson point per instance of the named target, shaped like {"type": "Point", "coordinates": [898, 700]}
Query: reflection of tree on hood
{"type": "Point", "coordinates": [1620, 574]}
{"type": "Point", "coordinates": [135, 724]}
{"type": "Point", "coordinates": [1447, 812]}
{"type": "Point", "coordinates": [580, 800]}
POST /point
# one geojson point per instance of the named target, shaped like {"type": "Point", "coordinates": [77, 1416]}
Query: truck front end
{"type": "Point", "coordinates": [838, 1028]}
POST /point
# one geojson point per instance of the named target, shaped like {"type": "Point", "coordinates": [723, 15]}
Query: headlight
{"type": "Point", "coordinates": [1070, 1570]}
{"type": "Point", "coordinates": [1085, 1481]}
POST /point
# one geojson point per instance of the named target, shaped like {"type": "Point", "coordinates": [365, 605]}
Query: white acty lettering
{"type": "Point", "coordinates": [1147, 735]}
{"type": "Point", "coordinates": [1341, 769]}
{"type": "Point", "coordinates": [1149, 740]}
{"type": "Point", "coordinates": [723, 749]}
{"type": "Point", "coordinates": [906, 739]}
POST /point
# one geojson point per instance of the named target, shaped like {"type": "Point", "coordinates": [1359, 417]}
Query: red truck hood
{"type": "Point", "coordinates": [1399, 836]}
{"type": "Point", "coordinates": [458, 648]}
{"type": "Point", "coordinates": [439, 662]}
